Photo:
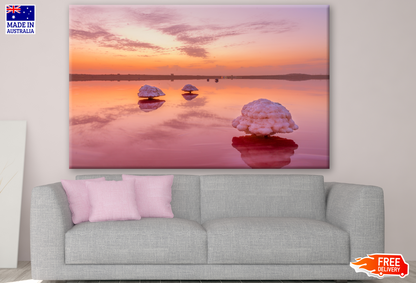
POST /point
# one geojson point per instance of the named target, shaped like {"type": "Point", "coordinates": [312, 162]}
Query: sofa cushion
{"type": "Point", "coordinates": [78, 199]}
{"type": "Point", "coordinates": [251, 240]}
{"type": "Point", "coordinates": [153, 195]}
{"type": "Point", "coordinates": [146, 241]}
{"type": "Point", "coordinates": [112, 200]}
{"type": "Point", "coordinates": [224, 196]}
{"type": "Point", "coordinates": [185, 193]}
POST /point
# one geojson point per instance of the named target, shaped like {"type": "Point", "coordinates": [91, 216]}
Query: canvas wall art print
{"type": "Point", "coordinates": [199, 86]}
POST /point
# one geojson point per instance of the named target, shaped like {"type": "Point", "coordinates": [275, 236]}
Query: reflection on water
{"type": "Point", "coordinates": [265, 152]}
{"type": "Point", "coordinates": [191, 130]}
{"type": "Point", "coordinates": [189, 96]}
{"type": "Point", "coordinates": [148, 105]}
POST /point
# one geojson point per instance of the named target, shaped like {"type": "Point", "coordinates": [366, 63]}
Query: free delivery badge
{"type": "Point", "coordinates": [381, 265]}
{"type": "Point", "coordinates": [20, 19]}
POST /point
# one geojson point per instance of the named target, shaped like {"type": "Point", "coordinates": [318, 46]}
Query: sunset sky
{"type": "Point", "coordinates": [199, 40]}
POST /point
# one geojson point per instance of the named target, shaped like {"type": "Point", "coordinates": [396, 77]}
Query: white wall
{"type": "Point", "coordinates": [373, 98]}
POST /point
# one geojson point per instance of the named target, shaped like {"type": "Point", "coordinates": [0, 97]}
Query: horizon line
{"type": "Point", "coordinates": [172, 77]}
{"type": "Point", "coordinates": [130, 74]}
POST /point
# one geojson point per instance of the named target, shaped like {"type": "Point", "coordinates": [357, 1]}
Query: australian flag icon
{"type": "Point", "coordinates": [20, 12]}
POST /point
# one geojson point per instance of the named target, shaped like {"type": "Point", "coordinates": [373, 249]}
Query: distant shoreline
{"type": "Point", "coordinates": [139, 77]}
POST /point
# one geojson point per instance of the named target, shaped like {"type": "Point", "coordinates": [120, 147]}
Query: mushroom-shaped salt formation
{"type": "Point", "coordinates": [263, 117]}
{"type": "Point", "coordinates": [150, 92]}
{"type": "Point", "coordinates": [189, 88]}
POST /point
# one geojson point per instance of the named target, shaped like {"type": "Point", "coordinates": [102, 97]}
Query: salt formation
{"type": "Point", "coordinates": [263, 117]}
{"type": "Point", "coordinates": [150, 92]}
{"type": "Point", "coordinates": [189, 88]}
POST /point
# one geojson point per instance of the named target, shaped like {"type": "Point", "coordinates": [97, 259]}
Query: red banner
{"type": "Point", "coordinates": [380, 265]}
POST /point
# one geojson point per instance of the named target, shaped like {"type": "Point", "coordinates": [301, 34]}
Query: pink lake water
{"type": "Point", "coordinates": [110, 127]}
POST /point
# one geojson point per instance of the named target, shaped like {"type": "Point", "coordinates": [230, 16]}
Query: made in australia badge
{"type": "Point", "coordinates": [20, 19]}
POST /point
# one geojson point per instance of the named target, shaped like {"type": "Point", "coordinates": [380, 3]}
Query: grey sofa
{"type": "Point", "coordinates": [246, 227]}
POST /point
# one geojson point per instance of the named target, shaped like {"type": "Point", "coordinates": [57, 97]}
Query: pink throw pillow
{"type": "Point", "coordinates": [112, 200]}
{"type": "Point", "coordinates": [77, 194]}
{"type": "Point", "coordinates": [153, 195]}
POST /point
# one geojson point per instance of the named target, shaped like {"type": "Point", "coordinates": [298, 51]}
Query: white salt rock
{"type": "Point", "coordinates": [263, 117]}
{"type": "Point", "coordinates": [189, 88]}
{"type": "Point", "coordinates": [150, 91]}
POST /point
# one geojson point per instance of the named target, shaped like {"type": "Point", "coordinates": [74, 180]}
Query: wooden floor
{"type": "Point", "coordinates": [22, 274]}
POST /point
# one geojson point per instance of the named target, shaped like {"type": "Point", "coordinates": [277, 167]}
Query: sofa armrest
{"type": "Point", "coordinates": [359, 210]}
{"type": "Point", "coordinates": [50, 219]}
